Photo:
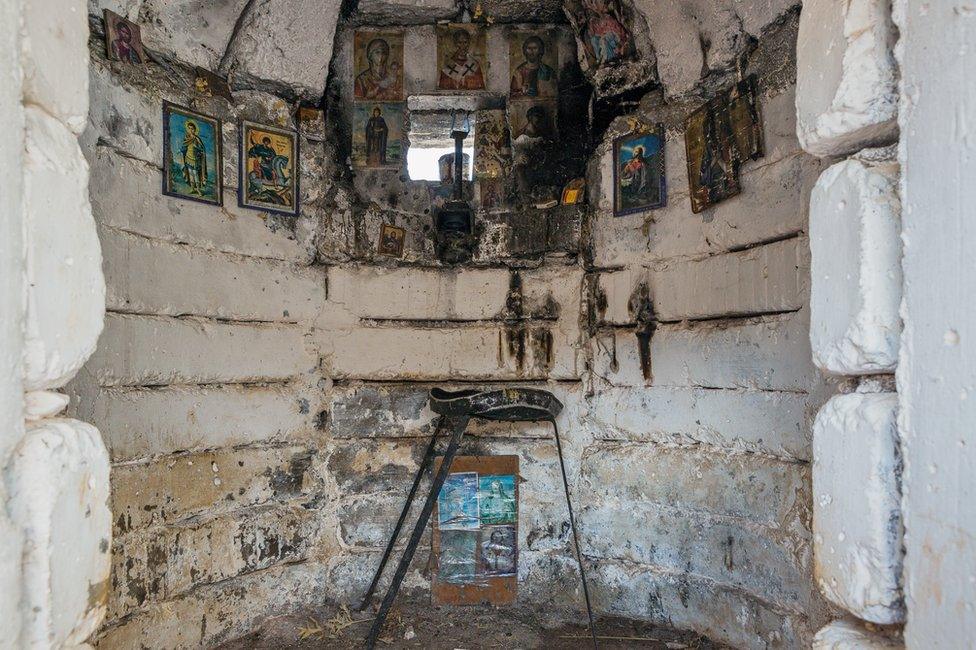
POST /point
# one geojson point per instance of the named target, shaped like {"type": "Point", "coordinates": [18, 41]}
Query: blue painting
{"type": "Point", "coordinates": [638, 172]}
{"type": "Point", "coordinates": [457, 503]}
{"type": "Point", "coordinates": [496, 499]}
{"type": "Point", "coordinates": [192, 166]}
{"type": "Point", "coordinates": [457, 562]}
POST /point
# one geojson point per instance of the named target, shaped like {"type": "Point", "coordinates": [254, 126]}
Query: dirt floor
{"type": "Point", "coordinates": [455, 628]}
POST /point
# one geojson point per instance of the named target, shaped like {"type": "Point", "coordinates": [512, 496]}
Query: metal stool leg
{"type": "Point", "coordinates": [424, 465]}
{"type": "Point", "coordinates": [456, 425]}
{"type": "Point", "coordinates": [572, 525]}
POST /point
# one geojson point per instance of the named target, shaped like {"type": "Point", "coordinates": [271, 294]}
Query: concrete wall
{"type": "Point", "coordinates": [846, 105]}
{"type": "Point", "coordinates": [935, 372]}
{"type": "Point", "coordinates": [54, 517]}
{"type": "Point", "coordinates": [205, 384]}
{"type": "Point", "coordinates": [696, 479]}
{"type": "Point", "coordinates": [506, 235]}
{"type": "Point", "coordinates": [261, 381]}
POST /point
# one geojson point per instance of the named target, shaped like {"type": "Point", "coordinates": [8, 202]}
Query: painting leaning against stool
{"type": "Point", "coordinates": [192, 157]}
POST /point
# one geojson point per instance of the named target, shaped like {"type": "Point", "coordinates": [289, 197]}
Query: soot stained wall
{"type": "Point", "coordinates": [697, 482]}
{"type": "Point", "coordinates": [203, 383]}
{"type": "Point", "coordinates": [261, 382]}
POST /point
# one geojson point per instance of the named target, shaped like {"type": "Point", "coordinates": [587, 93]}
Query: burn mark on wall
{"type": "Point", "coordinates": [641, 308]}
{"type": "Point", "coordinates": [289, 481]}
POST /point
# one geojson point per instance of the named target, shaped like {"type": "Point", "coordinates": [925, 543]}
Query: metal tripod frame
{"type": "Point", "coordinates": [456, 409]}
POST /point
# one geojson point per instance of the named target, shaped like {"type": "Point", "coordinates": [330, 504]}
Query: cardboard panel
{"type": "Point", "coordinates": [475, 541]}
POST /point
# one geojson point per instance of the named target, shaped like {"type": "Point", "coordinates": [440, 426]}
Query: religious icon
{"type": "Point", "coordinates": [493, 194]}
{"type": "Point", "coordinates": [378, 66]}
{"type": "Point", "coordinates": [474, 545]}
{"type": "Point", "coordinates": [600, 25]}
{"type": "Point", "coordinates": [574, 192]}
{"type": "Point", "coordinates": [123, 39]}
{"type": "Point", "coordinates": [457, 561]}
{"type": "Point", "coordinates": [461, 56]}
{"type": "Point", "coordinates": [492, 145]}
{"type": "Point", "coordinates": [457, 502]}
{"type": "Point", "coordinates": [496, 499]}
{"type": "Point", "coordinates": [269, 169]}
{"type": "Point", "coordinates": [532, 123]}
{"type": "Point", "coordinates": [719, 137]}
{"type": "Point", "coordinates": [533, 62]}
{"type": "Point", "coordinates": [192, 162]}
{"type": "Point", "coordinates": [746, 119]}
{"type": "Point", "coordinates": [638, 172]}
{"type": "Point", "coordinates": [210, 84]}
{"type": "Point", "coordinates": [311, 122]}
{"type": "Point", "coordinates": [498, 551]}
{"type": "Point", "coordinates": [392, 239]}
{"type": "Point", "coordinates": [377, 135]}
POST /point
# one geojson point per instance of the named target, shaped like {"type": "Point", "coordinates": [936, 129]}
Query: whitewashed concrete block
{"type": "Point", "coordinates": [40, 404]}
{"type": "Point", "coordinates": [11, 547]}
{"type": "Point", "coordinates": [763, 279]}
{"type": "Point", "coordinates": [756, 15]}
{"type": "Point", "coordinates": [66, 299]}
{"type": "Point", "coordinates": [56, 59]}
{"type": "Point", "coordinates": [850, 635]}
{"type": "Point", "coordinates": [419, 294]}
{"type": "Point", "coordinates": [407, 11]}
{"type": "Point", "coordinates": [286, 43]}
{"type": "Point", "coordinates": [58, 484]}
{"type": "Point", "coordinates": [855, 268]}
{"type": "Point", "coordinates": [856, 518]}
{"type": "Point", "coordinates": [846, 87]}
{"type": "Point", "coordinates": [125, 8]}
{"type": "Point", "coordinates": [616, 291]}
{"type": "Point", "coordinates": [190, 30]}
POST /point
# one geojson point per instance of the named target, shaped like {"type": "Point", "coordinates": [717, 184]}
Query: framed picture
{"type": "Point", "coordinates": [573, 192]}
{"type": "Point", "coordinates": [493, 194]}
{"type": "Point", "coordinates": [638, 172]}
{"type": "Point", "coordinates": [602, 28]}
{"type": "Point", "coordinates": [462, 55]}
{"type": "Point", "coordinates": [192, 156]}
{"type": "Point", "coordinates": [378, 66]}
{"type": "Point", "coordinates": [532, 122]}
{"type": "Point", "coordinates": [210, 84]}
{"type": "Point", "coordinates": [719, 137]}
{"type": "Point", "coordinates": [377, 135]}
{"type": "Point", "coordinates": [391, 241]}
{"type": "Point", "coordinates": [746, 119]}
{"type": "Point", "coordinates": [123, 39]}
{"type": "Point", "coordinates": [533, 62]}
{"type": "Point", "coordinates": [492, 145]}
{"type": "Point", "coordinates": [268, 169]}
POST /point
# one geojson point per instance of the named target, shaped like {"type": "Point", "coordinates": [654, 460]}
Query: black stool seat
{"type": "Point", "coordinates": [507, 404]}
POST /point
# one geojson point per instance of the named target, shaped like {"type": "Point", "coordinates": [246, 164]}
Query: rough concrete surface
{"type": "Point", "coordinates": [261, 380]}
{"type": "Point", "coordinates": [58, 484]}
{"type": "Point", "coordinates": [857, 521]}
{"type": "Point", "coordinates": [417, 625]}
{"type": "Point", "coordinates": [936, 361]}
{"type": "Point", "coordinates": [853, 635]}
{"type": "Point", "coordinates": [856, 272]}
{"type": "Point", "coordinates": [846, 76]}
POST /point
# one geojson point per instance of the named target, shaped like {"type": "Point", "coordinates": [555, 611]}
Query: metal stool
{"type": "Point", "coordinates": [456, 408]}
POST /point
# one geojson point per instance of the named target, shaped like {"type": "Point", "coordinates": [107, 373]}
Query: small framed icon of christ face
{"type": "Point", "coordinates": [392, 239]}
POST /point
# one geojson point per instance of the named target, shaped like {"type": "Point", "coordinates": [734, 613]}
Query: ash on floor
{"type": "Point", "coordinates": [455, 628]}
